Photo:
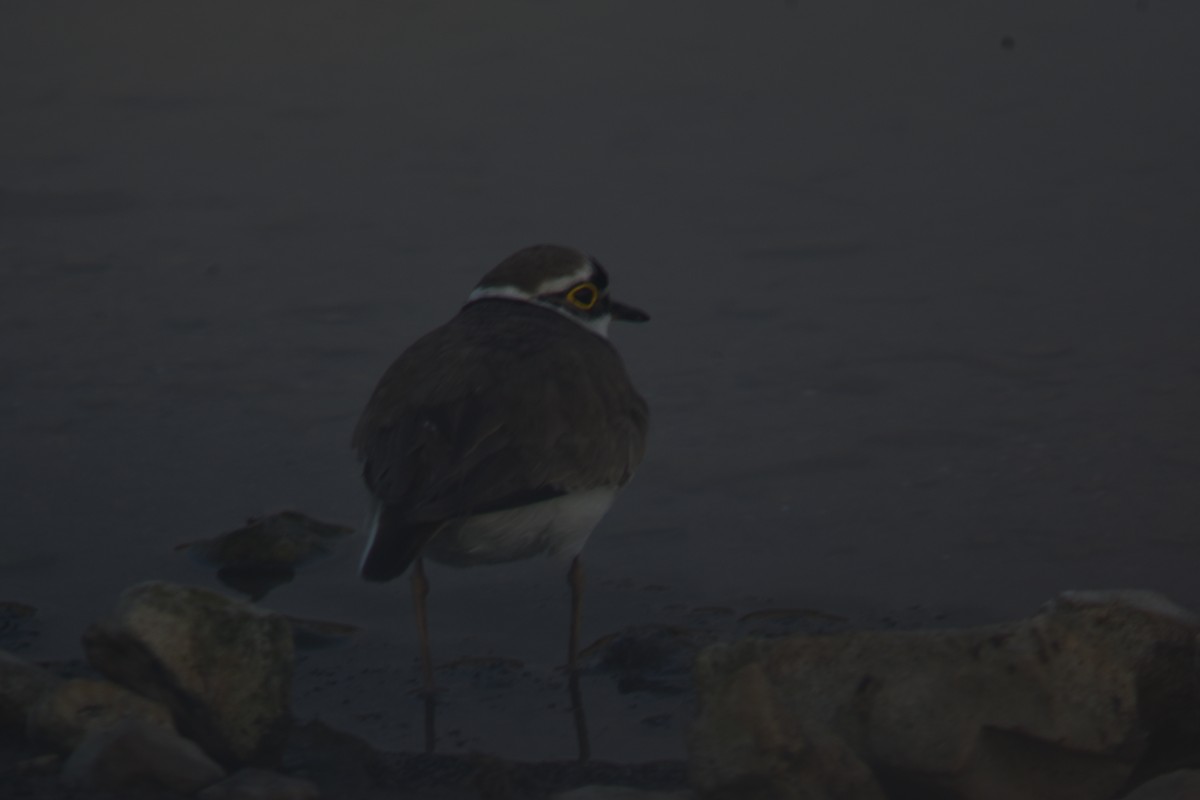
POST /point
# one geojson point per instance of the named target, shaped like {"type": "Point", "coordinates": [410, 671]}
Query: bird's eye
{"type": "Point", "coordinates": [583, 296]}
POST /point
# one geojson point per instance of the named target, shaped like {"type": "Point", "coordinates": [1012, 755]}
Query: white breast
{"type": "Point", "coordinates": [557, 527]}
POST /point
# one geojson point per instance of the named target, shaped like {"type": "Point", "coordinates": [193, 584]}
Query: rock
{"type": "Point", "coordinates": [260, 784]}
{"type": "Point", "coordinates": [340, 763]}
{"type": "Point", "coordinates": [1065, 705]}
{"type": "Point", "coordinates": [1182, 784]}
{"type": "Point", "coordinates": [66, 713]}
{"type": "Point", "coordinates": [647, 658]}
{"type": "Point", "coordinates": [744, 745]}
{"type": "Point", "coordinates": [346, 766]}
{"type": "Point", "coordinates": [1151, 603]}
{"type": "Point", "coordinates": [134, 754]}
{"type": "Point", "coordinates": [223, 666]}
{"type": "Point", "coordinates": [620, 793]}
{"type": "Point", "coordinates": [286, 539]}
{"type": "Point", "coordinates": [22, 686]}
{"type": "Point", "coordinates": [263, 554]}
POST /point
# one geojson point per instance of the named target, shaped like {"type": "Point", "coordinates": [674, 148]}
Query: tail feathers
{"type": "Point", "coordinates": [391, 543]}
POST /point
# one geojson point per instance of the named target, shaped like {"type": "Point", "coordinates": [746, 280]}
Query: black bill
{"type": "Point", "coordinates": [627, 313]}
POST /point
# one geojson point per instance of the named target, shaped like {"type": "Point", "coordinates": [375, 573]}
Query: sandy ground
{"type": "Point", "coordinates": [925, 346]}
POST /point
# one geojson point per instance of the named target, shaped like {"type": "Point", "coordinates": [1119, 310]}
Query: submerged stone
{"type": "Point", "coordinates": [284, 540]}
{"type": "Point", "coordinates": [647, 658]}
{"type": "Point", "coordinates": [264, 553]}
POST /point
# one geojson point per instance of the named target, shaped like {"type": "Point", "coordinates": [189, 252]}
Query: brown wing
{"type": "Point", "coordinates": [503, 405]}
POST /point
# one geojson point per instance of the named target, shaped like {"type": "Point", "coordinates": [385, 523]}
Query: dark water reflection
{"type": "Point", "coordinates": [925, 347]}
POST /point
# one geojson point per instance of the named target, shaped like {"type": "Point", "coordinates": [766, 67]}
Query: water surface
{"type": "Point", "coordinates": [925, 346]}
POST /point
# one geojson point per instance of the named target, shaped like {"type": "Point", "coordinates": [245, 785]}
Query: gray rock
{"type": "Point", "coordinates": [264, 554]}
{"type": "Point", "coordinates": [1183, 784]}
{"type": "Point", "coordinates": [261, 784]}
{"type": "Point", "coordinates": [1058, 706]}
{"type": "Point", "coordinates": [620, 793]}
{"type": "Point", "coordinates": [286, 539]}
{"type": "Point", "coordinates": [748, 744]}
{"type": "Point", "coordinates": [223, 666]}
{"type": "Point", "coordinates": [73, 708]}
{"type": "Point", "coordinates": [22, 686]}
{"type": "Point", "coordinates": [656, 659]}
{"type": "Point", "coordinates": [134, 754]}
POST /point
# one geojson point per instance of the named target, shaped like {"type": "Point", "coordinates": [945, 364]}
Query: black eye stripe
{"type": "Point", "coordinates": [599, 275]}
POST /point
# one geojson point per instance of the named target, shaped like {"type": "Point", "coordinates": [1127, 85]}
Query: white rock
{"type": "Point", "coordinates": [135, 754]}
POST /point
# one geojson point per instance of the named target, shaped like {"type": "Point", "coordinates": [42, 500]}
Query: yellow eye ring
{"type": "Point", "coordinates": [584, 296]}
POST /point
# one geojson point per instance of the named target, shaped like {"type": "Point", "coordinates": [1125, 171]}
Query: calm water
{"type": "Point", "coordinates": [925, 341]}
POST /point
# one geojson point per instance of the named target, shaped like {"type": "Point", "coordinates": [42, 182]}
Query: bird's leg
{"type": "Point", "coordinates": [575, 580]}
{"type": "Point", "coordinates": [420, 590]}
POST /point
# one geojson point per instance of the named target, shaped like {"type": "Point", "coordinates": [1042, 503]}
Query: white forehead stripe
{"type": "Point", "coordinates": [565, 282]}
{"type": "Point", "coordinates": [552, 286]}
{"type": "Point", "coordinates": [597, 325]}
{"type": "Point", "coordinates": [502, 292]}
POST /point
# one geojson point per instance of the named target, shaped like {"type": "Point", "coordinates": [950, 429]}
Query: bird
{"type": "Point", "coordinates": [503, 434]}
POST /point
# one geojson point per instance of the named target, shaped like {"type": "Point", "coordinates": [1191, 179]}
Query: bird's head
{"type": "Point", "coordinates": [559, 278]}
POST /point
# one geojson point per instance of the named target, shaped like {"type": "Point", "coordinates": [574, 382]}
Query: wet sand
{"type": "Point", "coordinates": [925, 346]}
